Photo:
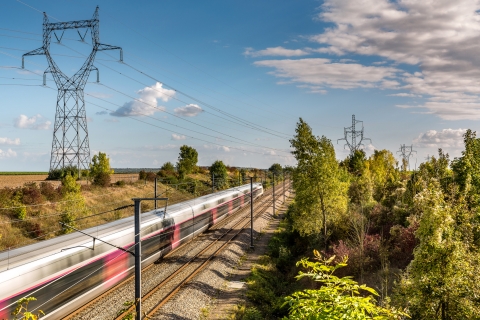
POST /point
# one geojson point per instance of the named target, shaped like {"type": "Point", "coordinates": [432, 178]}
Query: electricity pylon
{"type": "Point", "coordinates": [351, 135]}
{"type": "Point", "coordinates": [70, 146]}
{"type": "Point", "coordinates": [406, 153]}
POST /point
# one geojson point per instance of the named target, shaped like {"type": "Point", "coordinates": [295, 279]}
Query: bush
{"type": "Point", "coordinates": [31, 194]}
{"type": "Point", "coordinates": [120, 183]}
{"type": "Point", "coordinates": [150, 176]}
{"type": "Point", "coordinates": [142, 175]}
{"type": "Point", "coordinates": [49, 191]}
{"type": "Point", "coordinates": [59, 174]}
{"type": "Point", "coordinates": [102, 179]}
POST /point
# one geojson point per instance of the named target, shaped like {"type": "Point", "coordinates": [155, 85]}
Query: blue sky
{"type": "Point", "coordinates": [409, 70]}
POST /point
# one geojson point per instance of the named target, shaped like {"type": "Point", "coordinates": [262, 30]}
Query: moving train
{"type": "Point", "coordinates": [65, 272]}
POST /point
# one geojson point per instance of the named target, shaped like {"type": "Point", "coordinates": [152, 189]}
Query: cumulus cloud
{"type": "Point", "coordinates": [447, 138]}
{"type": "Point", "coordinates": [36, 122]}
{"type": "Point", "coordinates": [321, 72]}
{"type": "Point", "coordinates": [146, 104]}
{"type": "Point", "coordinates": [190, 110]}
{"type": "Point", "coordinates": [225, 148]}
{"type": "Point", "coordinates": [441, 39]}
{"type": "Point", "coordinates": [7, 154]}
{"type": "Point", "coordinates": [404, 94]}
{"type": "Point", "coordinates": [277, 51]}
{"type": "Point", "coordinates": [178, 137]}
{"type": "Point", "coordinates": [8, 141]}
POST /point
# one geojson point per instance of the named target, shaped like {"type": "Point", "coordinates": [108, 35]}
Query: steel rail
{"type": "Point", "coordinates": [117, 286]}
{"type": "Point", "coordinates": [159, 286]}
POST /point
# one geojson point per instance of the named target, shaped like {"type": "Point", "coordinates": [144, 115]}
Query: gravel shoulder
{"type": "Point", "coordinates": [221, 286]}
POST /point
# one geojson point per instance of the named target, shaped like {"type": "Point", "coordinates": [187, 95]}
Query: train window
{"type": "Point", "coordinates": [221, 201]}
{"type": "Point", "coordinates": [167, 222]}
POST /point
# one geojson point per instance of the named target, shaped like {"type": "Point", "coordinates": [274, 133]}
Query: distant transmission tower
{"type": "Point", "coordinates": [351, 135]}
{"type": "Point", "coordinates": [70, 146]}
{"type": "Point", "coordinates": [406, 153]}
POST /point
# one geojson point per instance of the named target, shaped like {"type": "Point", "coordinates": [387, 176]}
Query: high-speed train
{"type": "Point", "coordinates": [65, 272]}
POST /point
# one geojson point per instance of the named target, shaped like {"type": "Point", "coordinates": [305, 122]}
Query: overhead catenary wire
{"type": "Point", "coordinates": [238, 120]}
{"type": "Point", "coordinates": [174, 115]}
{"type": "Point", "coordinates": [171, 124]}
{"type": "Point", "coordinates": [243, 122]}
{"type": "Point", "coordinates": [201, 70]}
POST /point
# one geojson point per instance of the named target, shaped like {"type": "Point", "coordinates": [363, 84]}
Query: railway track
{"type": "Point", "coordinates": [188, 262]}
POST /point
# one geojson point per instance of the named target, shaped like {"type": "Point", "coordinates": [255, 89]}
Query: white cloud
{"type": "Point", "coordinates": [146, 104]}
{"type": "Point", "coordinates": [8, 141]}
{"type": "Point", "coordinates": [178, 137]}
{"type": "Point", "coordinates": [441, 38]}
{"type": "Point", "coordinates": [7, 154]}
{"type": "Point", "coordinates": [323, 72]}
{"type": "Point", "coordinates": [190, 110]}
{"type": "Point", "coordinates": [447, 138]}
{"type": "Point", "coordinates": [35, 123]}
{"type": "Point", "coordinates": [226, 149]}
{"type": "Point", "coordinates": [406, 95]}
{"type": "Point", "coordinates": [277, 51]}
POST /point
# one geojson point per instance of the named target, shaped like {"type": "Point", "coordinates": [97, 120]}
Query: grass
{"type": "Point", "coordinates": [43, 220]}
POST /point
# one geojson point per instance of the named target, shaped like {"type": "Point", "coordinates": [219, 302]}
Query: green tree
{"type": "Point", "coordinates": [277, 169]}
{"type": "Point", "coordinates": [467, 168]}
{"type": "Point", "coordinates": [219, 171]}
{"type": "Point", "coordinates": [72, 204]}
{"type": "Point", "coordinates": [187, 161]}
{"type": "Point", "coordinates": [443, 279]}
{"type": "Point", "coordinates": [100, 169]}
{"type": "Point", "coordinates": [320, 192]}
{"type": "Point", "coordinates": [355, 163]}
{"type": "Point", "coordinates": [337, 298]}
{"type": "Point", "coordinates": [168, 166]}
{"type": "Point", "coordinates": [384, 174]}
{"type": "Point", "coordinates": [100, 164]}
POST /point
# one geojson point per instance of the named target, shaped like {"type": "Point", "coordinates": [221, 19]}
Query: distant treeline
{"type": "Point", "coordinates": [134, 170]}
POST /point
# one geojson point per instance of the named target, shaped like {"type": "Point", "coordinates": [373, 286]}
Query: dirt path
{"type": "Point", "coordinates": [234, 289]}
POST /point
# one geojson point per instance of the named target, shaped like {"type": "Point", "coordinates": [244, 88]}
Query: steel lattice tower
{"type": "Point", "coordinates": [351, 135]}
{"type": "Point", "coordinates": [70, 146]}
{"type": "Point", "coordinates": [406, 152]}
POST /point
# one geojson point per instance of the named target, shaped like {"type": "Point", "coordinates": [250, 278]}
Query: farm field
{"type": "Point", "coordinates": [19, 179]}
{"type": "Point", "coordinates": [42, 218]}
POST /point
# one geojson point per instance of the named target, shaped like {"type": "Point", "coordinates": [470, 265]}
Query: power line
{"type": "Point", "coordinates": [245, 121]}
{"type": "Point", "coordinates": [191, 137]}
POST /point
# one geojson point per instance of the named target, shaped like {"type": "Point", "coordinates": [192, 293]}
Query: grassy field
{"type": "Point", "coordinates": [42, 219]}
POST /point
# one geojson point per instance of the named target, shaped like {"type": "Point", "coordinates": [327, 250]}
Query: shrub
{"type": "Point", "coordinates": [102, 179]}
{"type": "Point", "coordinates": [31, 194]}
{"type": "Point", "coordinates": [49, 191]}
{"type": "Point", "coordinates": [337, 298]}
{"type": "Point", "coordinates": [120, 183]}
{"type": "Point", "coordinates": [142, 175]}
{"type": "Point", "coordinates": [59, 174]}
{"type": "Point", "coordinates": [150, 176]}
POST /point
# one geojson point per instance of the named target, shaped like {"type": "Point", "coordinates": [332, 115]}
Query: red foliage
{"type": "Point", "coordinates": [403, 241]}
{"type": "Point", "coordinates": [31, 194]}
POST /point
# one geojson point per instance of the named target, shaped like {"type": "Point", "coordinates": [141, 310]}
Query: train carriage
{"type": "Point", "coordinates": [65, 272]}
